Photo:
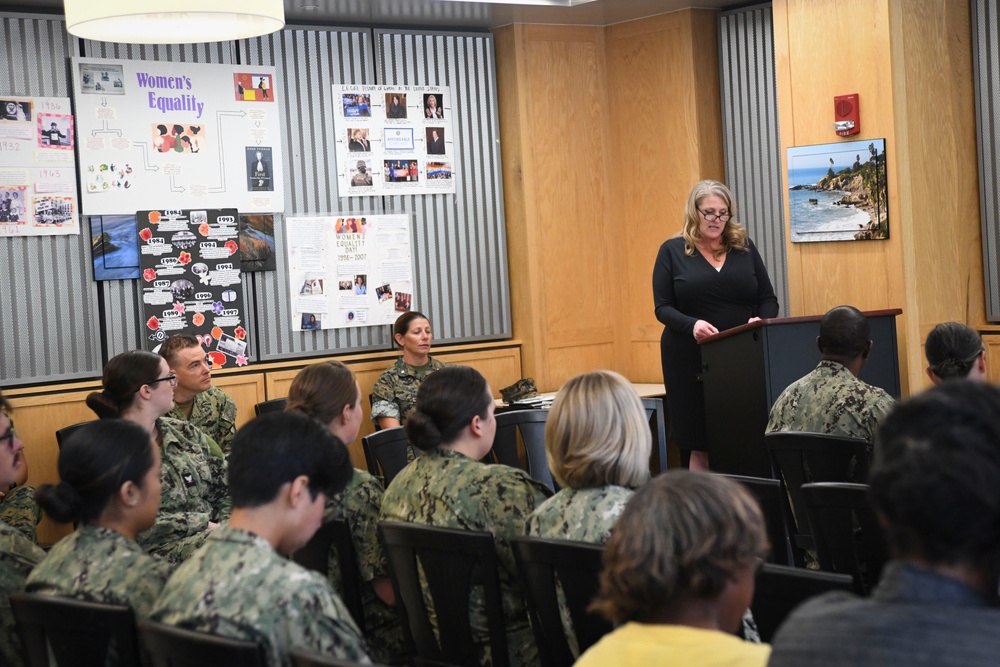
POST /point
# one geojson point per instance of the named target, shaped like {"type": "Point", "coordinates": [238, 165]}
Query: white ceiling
{"type": "Point", "coordinates": [438, 14]}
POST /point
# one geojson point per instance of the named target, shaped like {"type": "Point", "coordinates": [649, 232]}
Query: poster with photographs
{"type": "Point", "coordinates": [349, 271]}
{"type": "Point", "coordinates": [393, 140]}
{"type": "Point", "coordinates": [190, 262]}
{"type": "Point", "coordinates": [37, 172]}
{"type": "Point", "coordinates": [173, 134]}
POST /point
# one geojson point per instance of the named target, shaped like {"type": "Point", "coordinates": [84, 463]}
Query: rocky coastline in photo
{"type": "Point", "coordinates": [856, 194]}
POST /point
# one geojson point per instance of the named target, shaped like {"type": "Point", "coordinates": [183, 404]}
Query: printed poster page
{"type": "Point", "coordinates": [349, 271]}
{"type": "Point", "coordinates": [179, 135]}
{"type": "Point", "coordinates": [190, 263]}
{"type": "Point", "coordinates": [393, 140]}
{"type": "Point", "coordinates": [37, 171]}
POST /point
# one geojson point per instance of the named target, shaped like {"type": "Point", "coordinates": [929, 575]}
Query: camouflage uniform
{"type": "Point", "coordinates": [395, 391]}
{"type": "Point", "coordinates": [238, 586]}
{"type": "Point", "coordinates": [359, 504]}
{"type": "Point", "coordinates": [99, 565]}
{"type": "Point", "coordinates": [449, 490]}
{"type": "Point", "coordinates": [17, 556]}
{"type": "Point", "coordinates": [19, 510]}
{"type": "Point", "coordinates": [195, 491]}
{"type": "Point", "coordinates": [830, 399]}
{"type": "Point", "coordinates": [581, 515]}
{"type": "Point", "coordinates": [214, 413]}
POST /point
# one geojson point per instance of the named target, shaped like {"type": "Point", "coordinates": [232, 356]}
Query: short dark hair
{"type": "Point", "coordinates": [404, 321]}
{"type": "Point", "coordinates": [275, 448]}
{"type": "Point", "coordinates": [124, 375]}
{"type": "Point", "coordinates": [175, 344]}
{"type": "Point", "coordinates": [93, 464]}
{"type": "Point", "coordinates": [447, 401]}
{"type": "Point", "coordinates": [937, 474]}
{"type": "Point", "coordinates": [952, 348]}
{"type": "Point", "coordinates": [844, 332]}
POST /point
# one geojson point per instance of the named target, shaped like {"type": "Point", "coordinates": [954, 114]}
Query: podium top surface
{"type": "Point", "coordinates": [779, 321]}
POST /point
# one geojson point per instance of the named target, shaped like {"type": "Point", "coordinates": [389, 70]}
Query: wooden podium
{"type": "Point", "coordinates": [745, 369]}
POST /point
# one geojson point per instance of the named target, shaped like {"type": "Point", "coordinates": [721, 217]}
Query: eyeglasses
{"type": "Point", "coordinates": [9, 435]}
{"type": "Point", "coordinates": [172, 379]}
{"type": "Point", "coordinates": [712, 217]}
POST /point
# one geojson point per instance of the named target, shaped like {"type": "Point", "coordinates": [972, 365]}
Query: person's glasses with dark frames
{"type": "Point", "coordinates": [711, 217]}
{"type": "Point", "coordinates": [172, 379]}
{"type": "Point", "coordinates": [9, 435]}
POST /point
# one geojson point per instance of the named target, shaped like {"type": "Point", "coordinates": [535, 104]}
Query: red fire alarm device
{"type": "Point", "coordinates": [847, 114]}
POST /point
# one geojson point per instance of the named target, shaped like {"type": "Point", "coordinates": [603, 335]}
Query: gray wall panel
{"type": "Point", "coordinates": [750, 134]}
{"type": "Point", "coordinates": [48, 299]}
{"type": "Point", "coordinates": [986, 72]}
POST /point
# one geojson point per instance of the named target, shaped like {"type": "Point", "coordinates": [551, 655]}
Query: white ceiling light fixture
{"type": "Point", "coordinates": [174, 21]}
{"type": "Point", "coordinates": [542, 3]}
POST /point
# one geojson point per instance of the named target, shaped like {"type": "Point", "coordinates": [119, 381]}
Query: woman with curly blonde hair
{"type": "Point", "coordinates": [707, 279]}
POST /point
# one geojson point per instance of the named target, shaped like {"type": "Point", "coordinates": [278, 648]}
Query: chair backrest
{"type": "Point", "coordinates": [273, 405]}
{"type": "Point", "coordinates": [170, 646]}
{"type": "Point", "coordinates": [779, 589]}
{"type": "Point", "coordinates": [848, 536]}
{"type": "Point", "coordinates": [658, 427]}
{"type": "Point", "coordinates": [80, 634]}
{"type": "Point", "coordinates": [802, 458]}
{"type": "Point", "coordinates": [530, 424]}
{"type": "Point", "coordinates": [770, 495]}
{"type": "Point", "coordinates": [62, 435]}
{"type": "Point", "coordinates": [386, 453]}
{"type": "Point", "coordinates": [315, 555]}
{"type": "Point", "coordinates": [451, 562]}
{"type": "Point", "coordinates": [541, 563]}
{"type": "Point", "coordinates": [304, 659]}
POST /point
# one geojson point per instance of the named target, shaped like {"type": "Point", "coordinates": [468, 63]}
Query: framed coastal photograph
{"type": "Point", "coordinates": [838, 192]}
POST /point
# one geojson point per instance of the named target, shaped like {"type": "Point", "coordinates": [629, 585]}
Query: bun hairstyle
{"type": "Point", "coordinates": [322, 391]}
{"type": "Point", "coordinates": [94, 463]}
{"type": "Point", "coordinates": [447, 401]}
{"type": "Point", "coordinates": [952, 349]}
{"type": "Point", "coordinates": [403, 322]}
{"type": "Point", "coordinates": [123, 376]}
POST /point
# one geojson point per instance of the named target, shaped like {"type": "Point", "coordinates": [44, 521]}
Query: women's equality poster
{"type": "Point", "coordinates": [179, 135]}
{"type": "Point", "coordinates": [349, 271]}
{"type": "Point", "coordinates": [190, 264]}
{"type": "Point", "coordinates": [37, 172]}
{"type": "Point", "coordinates": [394, 140]}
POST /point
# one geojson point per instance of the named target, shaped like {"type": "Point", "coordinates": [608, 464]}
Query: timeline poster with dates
{"type": "Point", "coordinates": [37, 172]}
{"type": "Point", "coordinates": [190, 264]}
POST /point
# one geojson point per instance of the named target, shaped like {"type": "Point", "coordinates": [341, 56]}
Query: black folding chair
{"type": "Point", "coordinates": [780, 589]}
{"type": "Point", "coordinates": [771, 496]}
{"type": "Point", "coordinates": [170, 646]}
{"type": "Point", "coordinates": [386, 453]}
{"type": "Point", "coordinates": [80, 634]}
{"type": "Point", "coordinates": [849, 538]}
{"type": "Point", "coordinates": [530, 425]}
{"type": "Point", "coordinates": [273, 405]}
{"type": "Point", "coordinates": [315, 555]}
{"type": "Point", "coordinates": [802, 458]}
{"type": "Point", "coordinates": [62, 435]}
{"type": "Point", "coordinates": [303, 659]}
{"type": "Point", "coordinates": [451, 562]}
{"type": "Point", "coordinates": [547, 566]}
{"type": "Point", "coordinates": [658, 427]}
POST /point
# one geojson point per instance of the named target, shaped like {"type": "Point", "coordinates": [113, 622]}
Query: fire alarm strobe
{"type": "Point", "coordinates": [847, 115]}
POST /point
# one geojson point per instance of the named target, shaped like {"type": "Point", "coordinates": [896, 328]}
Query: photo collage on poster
{"type": "Point", "coordinates": [191, 267]}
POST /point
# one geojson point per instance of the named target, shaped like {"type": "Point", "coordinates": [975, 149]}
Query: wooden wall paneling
{"type": "Point", "coordinates": [992, 342]}
{"type": "Point", "coordinates": [666, 134]}
{"type": "Point", "coordinates": [246, 390]}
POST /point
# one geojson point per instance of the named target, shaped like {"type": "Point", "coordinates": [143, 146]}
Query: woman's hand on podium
{"type": "Point", "coordinates": [703, 329]}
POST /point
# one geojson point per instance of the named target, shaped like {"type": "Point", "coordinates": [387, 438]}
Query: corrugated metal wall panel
{"type": "Point", "coordinates": [460, 260]}
{"type": "Point", "coordinates": [48, 299]}
{"type": "Point", "coordinates": [986, 72]}
{"type": "Point", "coordinates": [750, 134]}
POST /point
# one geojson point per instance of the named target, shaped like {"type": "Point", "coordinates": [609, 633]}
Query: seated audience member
{"type": "Point", "coordinates": [18, 554]}
{"type": "Point", "coordinates": [955, 351]}
{"type": "Point", "coordinates": [282, 469]}
{"type": "Point", "coordinates": [679, 573]}
{"type": "Point", "coordinates": [195, 399]}
{"type": "Point", "coordinates": [109, 474]}
{"type": "Point", "coordinates": [139, 387]}
{"type": "Point", "coordinates": [453, 424]}
{"type": "Point", "coordinates": [329, 392]}
{"type": "Point", "coordinates": [831, 399]}
{"type": "Point", "coordinates": [395, 392]}
{"type": "Point", "coordinates": [17, 502]}
{"type": "Point", "coordinates": [934, 487]}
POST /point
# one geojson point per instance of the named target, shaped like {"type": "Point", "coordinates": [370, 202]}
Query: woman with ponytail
{"type": "Point", "coordinates": [109, 487]}
{"type": "Point", "coordinates": [139, 387]}
{"type": "Point", "coordinates": [448, 487]}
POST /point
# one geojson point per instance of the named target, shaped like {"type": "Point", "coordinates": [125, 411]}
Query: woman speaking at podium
{"type": "Point", "coordinates": [707, 279]}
